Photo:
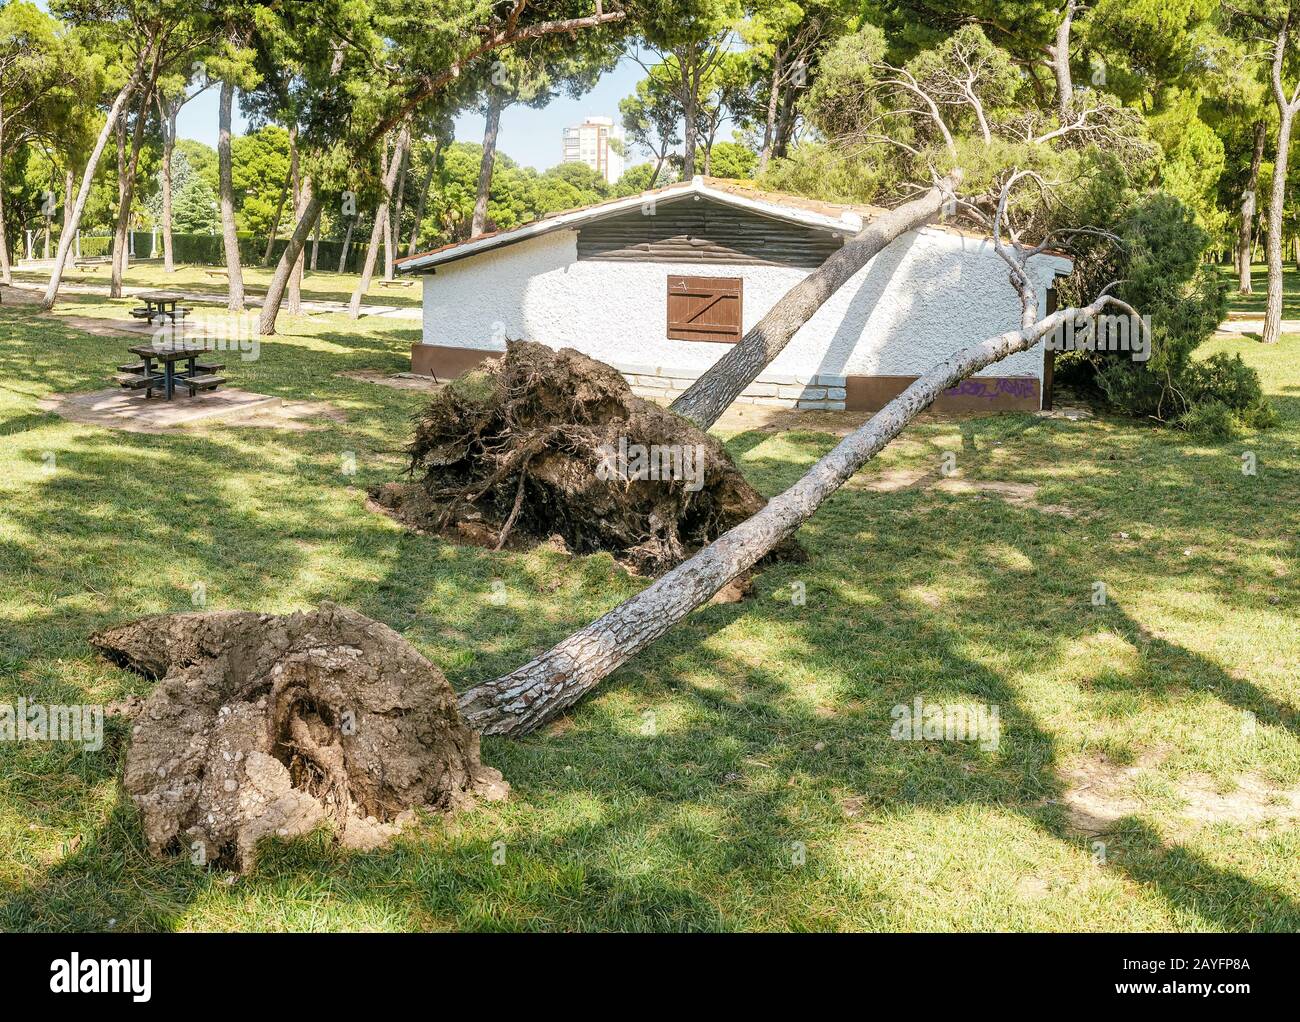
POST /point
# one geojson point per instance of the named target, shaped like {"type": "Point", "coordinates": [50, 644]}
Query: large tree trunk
{"type": "Point", "coordinates": [773, 101]}
{"type": "Point", "coordinates": [288, 259]}
{"type": "Point", "coordinates": [1248, 198]}
{"type": "Point", "coordinates": [423, 202]}
{"type": "Point", "coordinates": [521, 701]}
{"type": "Point", "coordinates": [167, 113]}
{"type": "Point", "coordinates": [128, 188]}
{"type": "Point", "coordinates": [229, 234]}
{"type": "Point", "coordinates": [715, 390]}
{"type": "Point", "coordinates": [376, 231]}
{"type": "Point", "coordinates": [88, 176]}
{"type": "Point", "coordinates": [495, 103]}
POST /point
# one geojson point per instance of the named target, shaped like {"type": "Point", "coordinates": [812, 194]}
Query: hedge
{"type": "Point", "coordinates": [208, 250]}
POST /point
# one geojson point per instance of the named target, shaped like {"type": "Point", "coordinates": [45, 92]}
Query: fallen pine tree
{"type": "Point", "coordinates": [526, 698]}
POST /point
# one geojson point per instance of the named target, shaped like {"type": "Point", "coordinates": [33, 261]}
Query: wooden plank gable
{"type": "Point", "coordinates": [704, 231]}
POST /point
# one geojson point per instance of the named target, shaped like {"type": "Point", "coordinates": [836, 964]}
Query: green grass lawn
{"type": "Point", "coordinates": [768, 794]}
{"type": "Point", "coordinates": [320, 285]}
{"type": "Point", "coordinates": [1253, 303]}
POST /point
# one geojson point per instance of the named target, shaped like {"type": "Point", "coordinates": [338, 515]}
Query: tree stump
{"type": "Point", "coordinates": [270, 726]}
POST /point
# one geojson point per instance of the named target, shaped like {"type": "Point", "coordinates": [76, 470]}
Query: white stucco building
{"type": "Point", "coordinates": [659, 284]}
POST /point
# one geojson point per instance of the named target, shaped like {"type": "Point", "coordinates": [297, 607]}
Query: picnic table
{"type": "Point", "coordinates": [161, 306]}
{"type": "Point", "coordinates": [196, 375]}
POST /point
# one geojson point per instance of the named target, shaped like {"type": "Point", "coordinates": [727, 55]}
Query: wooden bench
{"type": "Point", "coordinates": [223, 274]}
{"type": "Point", "coordinates": [89, 265]}
{"type": "Point", "coordinates": [197, 383]}
{"type": "Point", "coordinates": [396, 283]}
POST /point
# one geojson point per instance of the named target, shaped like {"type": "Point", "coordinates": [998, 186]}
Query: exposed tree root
{"type": "Point", "coordinates": [265, 726]}
{"type": "Point", "coordinates": [540, 443]}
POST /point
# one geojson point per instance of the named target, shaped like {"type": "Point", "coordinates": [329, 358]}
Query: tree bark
{"type": "Point", "coordinates": [423, 202]}
{"type": "Point", "coordinates": [773, 101]}
{"type": "Point", "coordinates": [690, 101]}
{"type": "Point", "coordinates": [715, 390]}
{"type": "Point", "coordinates": [294, 298]}
{"type": "Point", "coordinates": [127, 190]}
{"type": "Point", "coordinates": [315, 244]}
{"type": "Point", "coordinates": [88, 176]}
{"type": "Point", "coordinates": [167, 114]}
{"type": "Point", "coordinates": [6, 271]}
{"type": "Point", "coordinates": [523, 700]}
{"type": "Point", "coordinates": [347, 242]}
{"type": "Point", "coordinates": [1248, 199]}
{"type": "Point", "coordinates": [376, 231]}
{"type": "Point", "coordinates": [495, 103]}
{"type": "Point", "coordinates": [275, 223]}
{"type": "Point", "coordinates": [1061, 62]}
{"type": "Point", "coordinates": [395, 214]}
{"type": "Point", "coordinates": [1277, 200]}
{"type": "Point", "coordinates": [288, 259]}
{"type": "Point", "coordinates": [229, 234]}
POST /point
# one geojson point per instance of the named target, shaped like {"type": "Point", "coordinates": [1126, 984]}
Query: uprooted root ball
{"type": "Point", "coordinates": [539, 443]}
{"type": "Point", "coordinates": [265, 725]}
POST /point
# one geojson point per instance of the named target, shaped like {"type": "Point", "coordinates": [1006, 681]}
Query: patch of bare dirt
{"type": "Point", "coordinates": [1099, 793]}
{"type": "Point", "coordinates": [895, 479]}
{"type": "Point", "coordinates": [399, 381]}
{"type": "Point", "coordinates": [541, 442]}
{"type": "Point", "coordinates": [271, 726]}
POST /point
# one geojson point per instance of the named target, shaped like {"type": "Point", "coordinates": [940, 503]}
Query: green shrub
{"type": "Point", "coordinates": [1210, 420]}
{"type": "Point", "coordinates": [1227, 380]}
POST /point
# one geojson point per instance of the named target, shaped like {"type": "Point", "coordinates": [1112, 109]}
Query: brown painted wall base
{"type": "Point", "coordinates": [976, 394]}
{"type": "Point", "coordinates": [443, 362]}
{"type": "Point", "coordinates": [862, 393]}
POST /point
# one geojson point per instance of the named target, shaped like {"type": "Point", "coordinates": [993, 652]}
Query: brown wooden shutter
{"type": "Point", "coordinates": [705, 308]}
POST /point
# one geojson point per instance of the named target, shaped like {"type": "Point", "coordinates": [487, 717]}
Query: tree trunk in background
{"type": "Point", "coordinates": [288, 258]}
{"type": "Point", "coordinates": [229, 233]}
{"type": "Point", "coordinates": [167, 113]}
{"type": "Point", "coordinates": [119, 248]}
{"type": "Point", "coordinates": [1286, 109]}
{"type": "Point", "coordinates": [6, 271]}
{"type": "Point", "coordinates": [395, 215]}
{"type": "Point", "coordinates": [295, 276]}
{"type": "Point", "coordinates": [495, 103]}
{"type": "Point", "coordinates": [376, 231]}
{"type": "Point", "coordinates": [1061, 62]}
{"type": "Point", "coordinates": [347, 242]}
{"type": "Point", "coordinates": [690, 98]}
{"type": "Point", "coordinates": [315, 244]}
{"type": "Point", "coordinates": [423, 202]}
{"type": "Point", "coordinates": [275, 222]}
{"type": "Point", "coordinates": [720, 385]}
{"type": "Point", "coordinates": [773, 99]}
{"type": "Point", "coordinates": [785, 123]}
{"type": "Point", "coordinates": [88, 176]}
{"type": "Point", "coordinates": [128, 184]}
{"type": "Point", "coordinates": [1248, 199]}
{"type": "Point", "coordinates": [523, 700]}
